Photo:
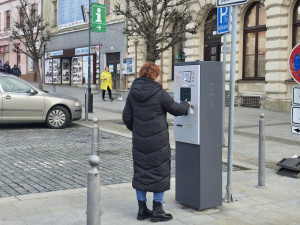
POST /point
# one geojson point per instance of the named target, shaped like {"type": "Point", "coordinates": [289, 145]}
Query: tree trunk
{"type": "Point", "coordinates": [38, 74]}
{"type": "Point", "coordinates": [151, 50]}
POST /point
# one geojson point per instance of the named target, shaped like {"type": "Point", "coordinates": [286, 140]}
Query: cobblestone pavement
{"type": "Point", "coordinates": [36, 159]}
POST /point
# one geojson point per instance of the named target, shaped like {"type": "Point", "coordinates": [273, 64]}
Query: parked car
{"type": "Point", "coordinates": [20, 102]}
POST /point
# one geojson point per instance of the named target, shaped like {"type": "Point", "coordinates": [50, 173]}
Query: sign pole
{"type": "Point", "coordinates": [228, 196]}
{"type": "Point", "coordinates": [223, 87]}
{"type": "Point", "coordinates": [89, 60]}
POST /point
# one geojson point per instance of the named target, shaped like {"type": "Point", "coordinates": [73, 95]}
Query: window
{"type": "Point", "coordinates": [178, 55]}
{"type": "Point", "coordinates": [21, 15]}
{"type": "Point", "coordinates": [255, 42]}
{"type": "Point", "coordinates": [7, 19]}
{"type": "Point", "coordinates": [54, 14]}
{"type": "Point", "coordinates": [107, 3]}
{"type": "Point", "coordinates": [4, 54]}
{"type": "Point", "coordinates": [10, 84]}
{"type": "Point", "coordinates": [33, 10]}
{"type": "Point", "coordinates": [296, 24]}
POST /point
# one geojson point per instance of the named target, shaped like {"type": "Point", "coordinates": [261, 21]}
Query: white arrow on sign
{"type": "Point", "coordinates": [99, 27]}
{"type": "Point", "coordinates": [295, 129]}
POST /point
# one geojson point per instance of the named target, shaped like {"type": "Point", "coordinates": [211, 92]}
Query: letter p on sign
{"type": "Point", "coordinates": [223, 20]}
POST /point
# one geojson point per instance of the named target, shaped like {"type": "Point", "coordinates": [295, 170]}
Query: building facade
{"type": "Point", "coordinates": [66, 61]}
{"type": "Point", "coordinates": [8, 15]}
{"type": "Point", "coordinates": [267, 32]}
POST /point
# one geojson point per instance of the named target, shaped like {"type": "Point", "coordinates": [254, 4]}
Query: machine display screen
{"type": "Point", "coordinates": [185, 94]}
{"type": "Point", "coordinates": [187, 76]}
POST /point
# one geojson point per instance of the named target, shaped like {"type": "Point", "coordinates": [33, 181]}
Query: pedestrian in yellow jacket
{"type": "Point", "coordinates": [106, 83]}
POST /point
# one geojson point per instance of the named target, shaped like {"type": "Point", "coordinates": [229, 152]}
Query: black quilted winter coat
{"type": "Point", "coordinates": [145, 114]}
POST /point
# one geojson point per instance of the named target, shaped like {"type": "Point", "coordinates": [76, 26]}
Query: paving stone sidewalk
{"type": "Point", "coordinates": [37, 159]}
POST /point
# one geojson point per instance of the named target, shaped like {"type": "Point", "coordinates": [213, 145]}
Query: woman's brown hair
{"type": "Point", "coordinates": [150, 70]}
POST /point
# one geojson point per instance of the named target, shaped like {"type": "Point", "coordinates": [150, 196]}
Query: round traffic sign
{"type": "Point", "coordinates": [294, 63]}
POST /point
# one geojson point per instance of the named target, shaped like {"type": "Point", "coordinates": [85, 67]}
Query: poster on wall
{"type": "Point", "coordinates": [30, 66]}
{"type": "Point", "coordinates": [85, 65]}
{"type": "Point", "coordinates": [128, 66]}
{"type": "Point", "coordinates": [111, 68]}
{"type": "Point", "coordinates": [66, 71]}
{"type": "Point", "coordinates": [77, 70]}
{"type": "Point", "coordinates": [56, 71]}
{"type": "Point", "coordinates": [48, 71]}
{"type": "Point", "coordinates": [70, 13]}
{"type": "Point", "coordinates": [1, 63]}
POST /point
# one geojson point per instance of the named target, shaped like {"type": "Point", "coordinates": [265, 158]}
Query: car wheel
{"type": "Point", "coordinates": [58, 117]}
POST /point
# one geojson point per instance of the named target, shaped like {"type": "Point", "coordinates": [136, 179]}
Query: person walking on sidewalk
{"type": "Point", "coordinates": [106, 83]}
{"type": "Point", "coordinates": [145, 114]}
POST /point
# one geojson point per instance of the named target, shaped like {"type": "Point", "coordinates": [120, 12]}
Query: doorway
{"type": "Point", "coordinates": [113, 62]}
{"type": "Point", "coordinates": [212, 40]}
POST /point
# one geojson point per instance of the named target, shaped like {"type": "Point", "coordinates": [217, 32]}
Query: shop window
{"type": "Point", "coordinates": [4, 54]}
{"type": "Point", "coordinates": [255, 42]}
{"type": "Point", "coordinates": [296, 24]}
{"type": "Point", "coordinates": [7, 19]}
{"type": "Point", "coordinates": [54, 14]}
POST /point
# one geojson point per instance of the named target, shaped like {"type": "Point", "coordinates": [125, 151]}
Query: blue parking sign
{"type": "Point", "coordinates": [223, 20]}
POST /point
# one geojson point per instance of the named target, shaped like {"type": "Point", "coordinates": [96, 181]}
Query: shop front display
{"type": "Point", "coordinates": [56, 71]}
{"type": "Point", "coordinates": [66, 71]}
{"type": "Point", "coordinates": [77, 70]}
{"type": "Point", "coordinates": [48, 71]}
{"type": "Point", "coordinates": [70, 66]}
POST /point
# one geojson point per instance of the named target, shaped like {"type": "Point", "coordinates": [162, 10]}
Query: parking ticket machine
{"type": "Point", "coordinates": [198, 135]}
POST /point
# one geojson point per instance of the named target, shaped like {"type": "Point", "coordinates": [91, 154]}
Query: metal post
{"type": "Point", "coordinates": [223, 88]}
{"type": "Point", "coordinates": [93, 192]}
{"type": "Point", "coordinates": [136, 43]}
{"type": "Point", "coordinates": [261, 159]}
{"type": "Point", "coordinates": [54, 87]}
{"type": "Point", "coordinates": [90, 96]}
{"type": "Point", "coordinates": [95, 140]}
{"type": "Point", "coordinates": [228, 196]}
{"type": "Point", "coordinates": [86, 106]}
{"type": "Point", "coordinates": [93, 187]}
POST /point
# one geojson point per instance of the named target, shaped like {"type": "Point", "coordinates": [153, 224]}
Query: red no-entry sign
{"type": "Point", "coordinates": [294, 63]}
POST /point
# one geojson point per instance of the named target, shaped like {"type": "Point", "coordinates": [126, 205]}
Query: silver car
{"type": "Point", "coordinates": [21, 102]}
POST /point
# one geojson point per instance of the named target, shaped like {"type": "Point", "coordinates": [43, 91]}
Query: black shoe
{"type": "Point", "coordinates": [111, 99]}
{"type": "Point", "coordinates": [103, 99]}
{"type": "Point", "coordinates": [158, 213]}
{"type": "Point", "coordinates": [143, 212]}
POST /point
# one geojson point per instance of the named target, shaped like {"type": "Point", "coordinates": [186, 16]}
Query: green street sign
{"type": "Point", "coordinates": [98, 17]}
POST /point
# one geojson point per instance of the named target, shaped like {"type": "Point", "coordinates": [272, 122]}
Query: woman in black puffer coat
{"type": "Point", "coordinates": [145, 114]}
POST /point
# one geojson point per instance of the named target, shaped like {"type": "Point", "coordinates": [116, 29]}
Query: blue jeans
{"type": "Point", "coordinates": [157, 196]}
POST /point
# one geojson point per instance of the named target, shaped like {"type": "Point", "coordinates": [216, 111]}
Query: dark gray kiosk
{"type": "Point", "coordinates": [198, 135]}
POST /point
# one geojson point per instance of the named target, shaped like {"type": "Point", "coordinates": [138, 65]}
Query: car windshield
{"type": "Point", "coordinates": [10, 84]}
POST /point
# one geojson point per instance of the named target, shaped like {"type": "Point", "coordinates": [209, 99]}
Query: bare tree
{"type": "Point", "coordinates": [30, 31]}
{"type": "Point", "coordinates": [158, 21]}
